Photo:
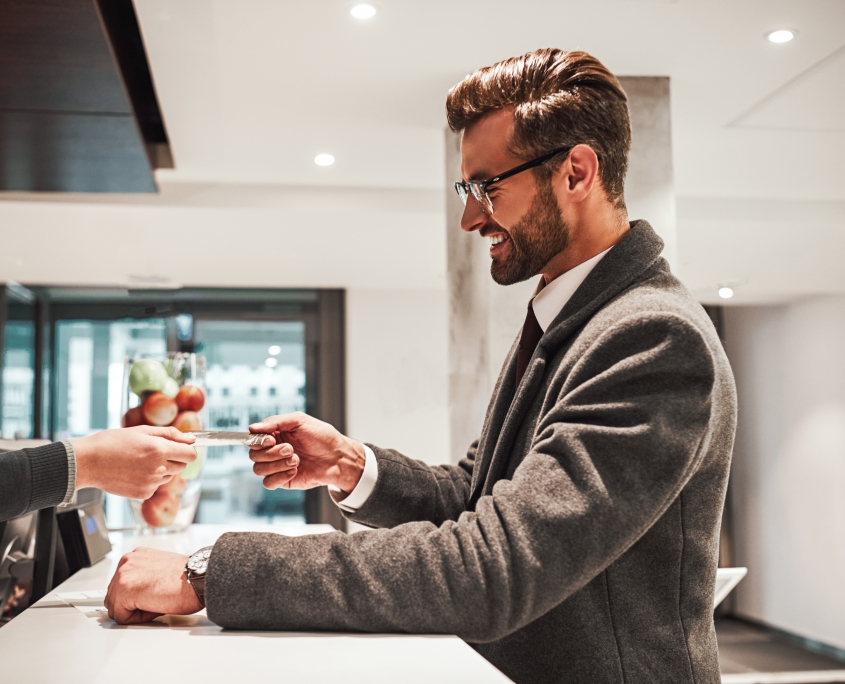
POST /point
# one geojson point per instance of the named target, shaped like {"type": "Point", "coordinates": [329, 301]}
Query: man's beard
{"type": "Point", "coordinates": [540, 235]}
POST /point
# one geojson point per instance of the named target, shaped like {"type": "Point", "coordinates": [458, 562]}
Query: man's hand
{"type": "Point", "coordinates": [308, 453]}
{"type": "Point", "coordinates": [132, 462]}
{"type": "Point", "coordinates": [149, 583]}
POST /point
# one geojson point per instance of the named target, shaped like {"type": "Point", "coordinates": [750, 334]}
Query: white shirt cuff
{"type": "Point", "coordinates": [358, 496]}
{"type": "Point", "coordinates": [71, 473]}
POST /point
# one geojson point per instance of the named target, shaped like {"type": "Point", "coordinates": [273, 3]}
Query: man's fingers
{"type": "Point", "coordinates": [132, 616]}
{"type": "Point", "coordinates": [275, 453]}
{"type": "Point", "coordinates": [278, 480]}
{"type": "Point", "coordinates": [286, 423]}
{"type": "Point", "coordinates": [182, 453]}
{"type": "Point", "coordinates": [173, 468]}
{"type": "Point", "coordinates": [264, 469]}
{"type": "Point", "coordinates": [108, 602]}
{"type": "Point", "coordinates": [266, 443]}
{"type": "Point", "coordinates": [170, 433]}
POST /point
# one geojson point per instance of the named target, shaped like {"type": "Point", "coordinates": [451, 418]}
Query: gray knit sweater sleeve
{"type": "Point", "coordinates": [33, 478]}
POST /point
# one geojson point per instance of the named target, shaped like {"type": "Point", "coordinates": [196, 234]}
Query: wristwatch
{"type": "Point", "coordinates": [196, 568]}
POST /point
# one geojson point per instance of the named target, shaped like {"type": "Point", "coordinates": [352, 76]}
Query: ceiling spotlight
{"type": "Point", "coordinates": [324, 160]}
{"type": "Point", "coordinates": [275, 350]}
{"type": "Point", "coordinates": [780, 36]}
{"type": "Point", "coordinates": [271, 362]}
{"type": "Point", "coordinates": [726, 292]}
{"type": "Point", "coordinates": [363, 11]}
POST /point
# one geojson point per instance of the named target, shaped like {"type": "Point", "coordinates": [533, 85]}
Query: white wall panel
{"type": "Point", "coordinates": [396, 371]}
{"type": "Point", "coordinates": [788, 478]}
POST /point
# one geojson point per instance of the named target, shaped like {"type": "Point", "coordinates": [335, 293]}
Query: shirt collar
{"type": "Point", "coordinates": [549, 301]}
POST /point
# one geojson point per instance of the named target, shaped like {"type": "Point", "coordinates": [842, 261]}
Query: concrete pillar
{"type": "Point", "coordinates": [485, 318]}
{"type": "Point", "coordinates": [649, 187]}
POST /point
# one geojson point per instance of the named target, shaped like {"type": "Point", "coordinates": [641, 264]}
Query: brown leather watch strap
{"type": "Point", "coordinates": [198, 583]}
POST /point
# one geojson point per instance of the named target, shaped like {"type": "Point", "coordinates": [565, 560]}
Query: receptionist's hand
{"type": "Point", "coordinates": [132, 462]}
{"type": "Point", "coordinates": [149, 583]}
{"type": "Point", "coordinates": [308, 453]}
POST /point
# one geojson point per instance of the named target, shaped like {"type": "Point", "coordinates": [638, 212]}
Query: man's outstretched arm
{"type": "Point", "coordinates": [608, 459]}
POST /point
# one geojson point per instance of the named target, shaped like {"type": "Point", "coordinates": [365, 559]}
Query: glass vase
{"type": "Point", "coordinates": [167, 390]}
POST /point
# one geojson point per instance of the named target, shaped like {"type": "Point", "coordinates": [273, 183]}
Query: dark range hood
{"type": "Point", "coordinates": [78, 109]}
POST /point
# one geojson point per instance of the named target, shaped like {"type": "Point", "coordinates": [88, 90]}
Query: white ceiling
{"type": "Point", "coordinates": [252, 90]}
{"type": "Point", "coordinates": [812, 101]}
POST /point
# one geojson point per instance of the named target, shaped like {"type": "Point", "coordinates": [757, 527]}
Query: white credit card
{"type": "Point", "coordinates": [221, 438]}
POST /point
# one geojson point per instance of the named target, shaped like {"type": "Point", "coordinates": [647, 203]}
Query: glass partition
{"type": "Point", "coordinates": [255, 369]}
{"type": "Point", "coordinates": [88, 370]}
{"type": "Point", "coordinates": [267, 352]}
{"type": "Point", "coordinates": [18, 379]}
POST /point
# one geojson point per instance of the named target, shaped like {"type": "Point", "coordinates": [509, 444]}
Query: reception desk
{"type": "Point", "coordinates": [66, 638]}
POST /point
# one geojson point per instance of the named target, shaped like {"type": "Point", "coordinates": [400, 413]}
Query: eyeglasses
{"type": "Point", "coordinates": [478, 189]}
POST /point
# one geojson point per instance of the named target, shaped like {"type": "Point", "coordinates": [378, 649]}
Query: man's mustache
{"type": "Point", "coordinates": [492, 228]}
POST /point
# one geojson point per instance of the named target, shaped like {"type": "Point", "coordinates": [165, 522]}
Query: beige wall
{"type": "Point", "coordinates": [788, 476]}
{"type": "Point", "coordinates": [396, 346]}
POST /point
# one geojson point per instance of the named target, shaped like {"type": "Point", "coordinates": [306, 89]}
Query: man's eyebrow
{"type": "Point", "coordinates": [481, 175]}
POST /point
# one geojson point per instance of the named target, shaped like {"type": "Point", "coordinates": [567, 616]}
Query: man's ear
{"type": "Point", "coordinates": [580, 172]}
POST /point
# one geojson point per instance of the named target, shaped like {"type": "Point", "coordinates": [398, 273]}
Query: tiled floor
{"type": "Point", "coordinates": [751, 655]}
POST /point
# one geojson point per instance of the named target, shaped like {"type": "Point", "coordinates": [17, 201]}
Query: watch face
{"type": "Point", "coordinates": [198, 563]}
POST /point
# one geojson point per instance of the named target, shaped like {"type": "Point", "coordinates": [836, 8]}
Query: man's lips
{"type": "Point", "coordinates": [498, 243]}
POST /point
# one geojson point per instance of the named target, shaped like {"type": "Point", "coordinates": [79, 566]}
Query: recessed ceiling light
{"type": "Point", "coordinates": [324, 160]}
{"type": "Point", "coordinates": [271, 362]}
{"type": "Point", "coordinates": [363, 11]}
{"type": "Point", "coordinates": [780, 36]}
{"type": "Point", "coordinates": [726, 292]}
{"type": "Point", "coordinates": [275, 350]}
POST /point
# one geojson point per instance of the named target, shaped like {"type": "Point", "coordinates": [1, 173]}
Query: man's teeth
{"type": "Point", "coordinates": [496, 239]}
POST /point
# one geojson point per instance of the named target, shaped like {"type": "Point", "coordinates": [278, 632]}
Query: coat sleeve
{"type": "Point", "coordinates": [608, 457]}
{"type": "Point", "coordinates": [32, 478]}
{"type": "Point", "coordinates": [407, 490]}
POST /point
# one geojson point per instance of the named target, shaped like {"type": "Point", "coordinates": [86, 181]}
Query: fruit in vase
{"type": "Point", "coordinates": [175, 487]}
{"type": "Point", "coordinates": [159, 409]}
{"type": "Point", "coordinates": [176, 369]}
{"type": "Point", "coordinates": [133, 417]}
{"type": "Point", "coordinates": [187, 421]}
{"type": "Point", "coordinates": [194, 467]}
{"type": "Point", "coordinates": [171, 388]}
{"type": "Point", "coordinates": [160, 509]}
{"type": "Point", "coordinates": [147, 375]}
{"type": "Point", "coordinates": [190, 398]}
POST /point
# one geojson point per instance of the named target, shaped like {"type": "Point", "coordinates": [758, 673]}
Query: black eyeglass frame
{"type": "Point", "coordinates": [478, 189]}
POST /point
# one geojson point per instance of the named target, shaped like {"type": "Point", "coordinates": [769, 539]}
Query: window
{"type": "Point", "coordinates": [18, 363]}
{"type": "Point", "coordinates": [90, 357]}
{"type": "Point", "coordinates": [64, 357]}
{"type": "Point", "coordinates": [236, 353]}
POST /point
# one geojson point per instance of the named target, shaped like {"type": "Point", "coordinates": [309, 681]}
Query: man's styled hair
{"type": "Point", "coordinates": [559, 99]}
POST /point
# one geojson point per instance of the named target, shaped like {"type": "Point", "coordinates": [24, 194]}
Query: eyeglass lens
{"type": "Point", "coordinates": [477, 192]}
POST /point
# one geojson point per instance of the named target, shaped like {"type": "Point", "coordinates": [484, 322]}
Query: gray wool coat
{"type": "Point", "coordinates": [577, 542]}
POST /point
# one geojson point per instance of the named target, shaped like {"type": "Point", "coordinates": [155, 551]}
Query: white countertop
{"type": "Point", "coordinates": [55, 643]}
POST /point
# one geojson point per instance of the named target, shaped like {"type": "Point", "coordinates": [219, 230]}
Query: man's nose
{"type": "Point", "coordinates": [473, 217]}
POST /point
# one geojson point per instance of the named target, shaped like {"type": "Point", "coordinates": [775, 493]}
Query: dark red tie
{"type": "Point", "coordinates": [531, 334]}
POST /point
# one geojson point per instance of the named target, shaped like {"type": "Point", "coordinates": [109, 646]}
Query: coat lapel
{"type": "Point", "coordinates": [630, 258]}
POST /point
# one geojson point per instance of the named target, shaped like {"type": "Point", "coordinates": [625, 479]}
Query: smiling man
{"type": "Point", "coordinates": [577, 542]}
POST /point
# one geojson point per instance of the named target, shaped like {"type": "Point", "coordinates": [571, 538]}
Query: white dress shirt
{"type": "Point", "coordinates": [547, 303]}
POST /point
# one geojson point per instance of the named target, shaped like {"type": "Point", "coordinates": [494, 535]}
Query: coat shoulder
{"type": "Point", "coordinates": [656, 294]}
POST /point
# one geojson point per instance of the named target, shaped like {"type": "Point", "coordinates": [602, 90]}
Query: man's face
{"type": "Point", "coordinates": [526, 228]}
